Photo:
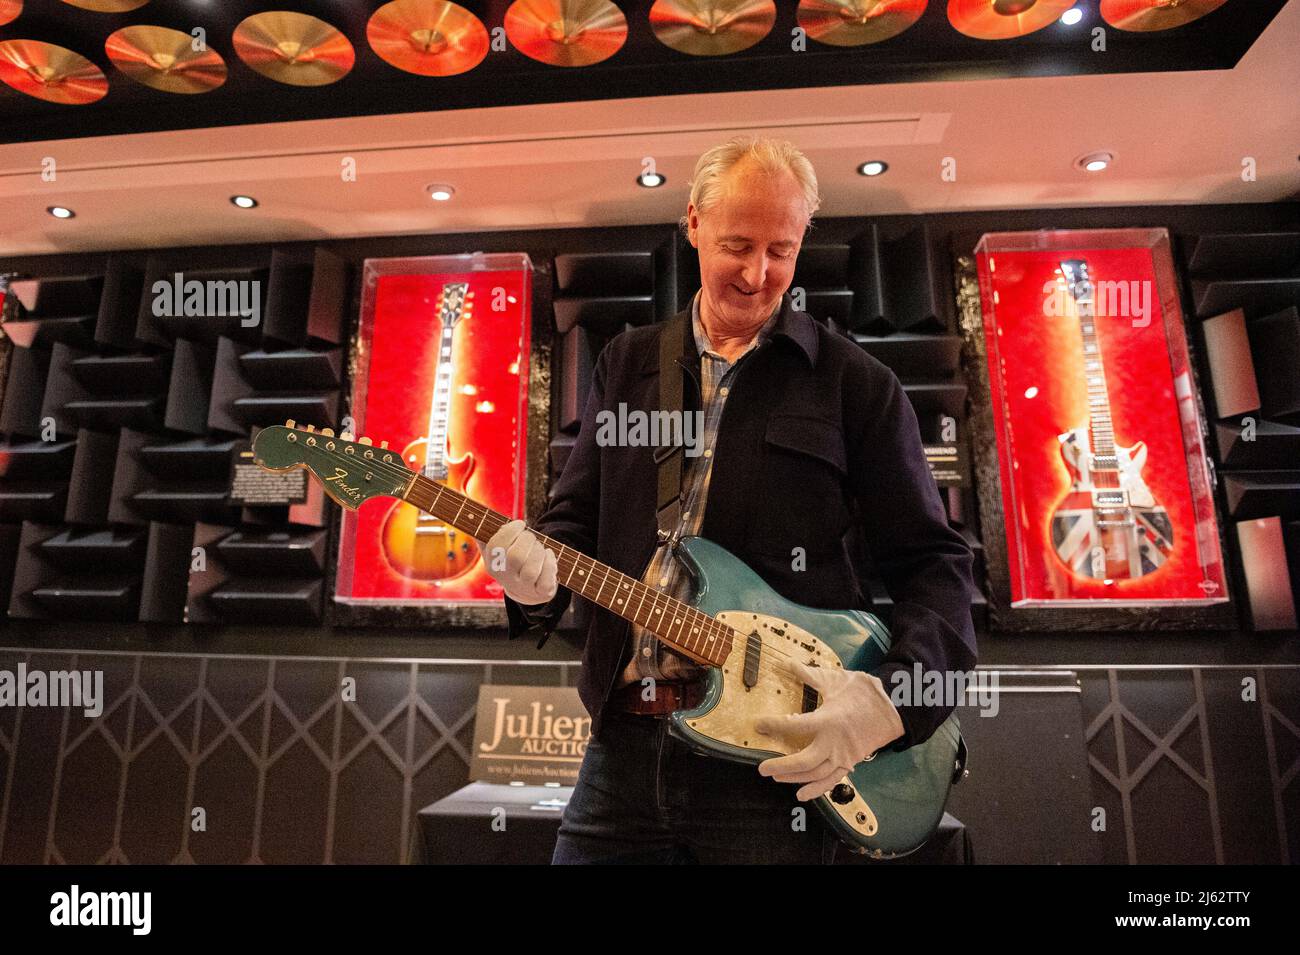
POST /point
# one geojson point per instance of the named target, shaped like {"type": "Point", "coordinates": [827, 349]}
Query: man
{"type": "Point", "coordinates": [817, 435]}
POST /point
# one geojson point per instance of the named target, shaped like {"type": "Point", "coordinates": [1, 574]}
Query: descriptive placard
{"type": "Point", "coordinates": [947, 463]}
{"type": "Point", "coordinates": [251, 485]}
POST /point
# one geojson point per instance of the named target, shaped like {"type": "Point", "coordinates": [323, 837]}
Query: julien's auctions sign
{"type": "Point", "coordinates": [529, 734]}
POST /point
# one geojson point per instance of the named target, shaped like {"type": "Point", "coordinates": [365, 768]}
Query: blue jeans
{"type": "Point", "coordinates": [643, 796]}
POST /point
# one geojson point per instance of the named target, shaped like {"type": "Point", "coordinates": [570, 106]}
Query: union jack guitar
{"type": "Point", "coordinates": [1108, 526]}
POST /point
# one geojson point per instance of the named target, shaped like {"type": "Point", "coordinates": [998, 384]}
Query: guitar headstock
{"type": "Point", "coordinates": [351, 470]}
{"type": "Point", "coordinates": [1074, 272]}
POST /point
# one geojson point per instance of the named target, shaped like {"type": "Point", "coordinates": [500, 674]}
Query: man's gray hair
{"type": "Point", "coordinates": [771, 155]}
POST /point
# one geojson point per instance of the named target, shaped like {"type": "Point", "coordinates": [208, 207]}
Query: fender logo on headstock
{"type": "Point", "coordinates": [339, 474]}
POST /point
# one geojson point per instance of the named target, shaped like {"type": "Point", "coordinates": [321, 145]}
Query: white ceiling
{"type": "Point", "coordinates": [1177, 138]}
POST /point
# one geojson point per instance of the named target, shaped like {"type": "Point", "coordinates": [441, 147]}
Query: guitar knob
{"type": "Point", "coordinates": [289, 423]}
{"type": "Point", "coordinates": [364, 441]}
{"type": "Point", "coordinates": [328, 432]}
{"type": "Point", "coordinates": [842, 794]}
{"type": "Point", "coordinates": [383, 445]}
{"type": "Point", "coordinates": [310, 427]}
{"type": "Point", "coordinates": [346, 436]}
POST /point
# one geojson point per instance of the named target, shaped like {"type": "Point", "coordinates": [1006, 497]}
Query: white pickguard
{"type": "Point", "coordinates": [1075, 451]}
{"type": "Point", "coordinates": [776, 692]}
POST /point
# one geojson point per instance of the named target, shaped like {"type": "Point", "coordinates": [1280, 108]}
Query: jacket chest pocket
{"type": "Point", "coordinates": [802, 487]}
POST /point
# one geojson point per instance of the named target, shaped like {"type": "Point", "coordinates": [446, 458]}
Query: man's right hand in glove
{"type": "Point", "coordinates": [521, 564]}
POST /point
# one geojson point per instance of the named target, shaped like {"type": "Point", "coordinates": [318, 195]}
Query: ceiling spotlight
{"type": "Point", "coordinates": [873, 168]}
{"type": "Point", "coordinates": [1093, 162]}
{"type": "Point", "coordinates": [60, 212]}
{"type": "Point", "coordinates": [1072, 16]}
{"type": "Point", "coordinates": [244, 202]}
{"type": "Point", "coordinates": [651, 180]}
{"type": "Point", "coordinates": [440, 193]}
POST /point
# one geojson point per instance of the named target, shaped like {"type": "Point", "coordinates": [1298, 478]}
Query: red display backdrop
{"type": "Point", "coordinates": [1105, 485]}
{"type": "Point", "coordinates": [442, 374]}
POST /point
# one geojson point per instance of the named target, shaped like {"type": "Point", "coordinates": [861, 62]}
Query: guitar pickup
{"type": "Point", "coordinates": [753, 655]}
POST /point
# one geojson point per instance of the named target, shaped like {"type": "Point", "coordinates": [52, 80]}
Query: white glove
{"type": "Point", "coordinates": [855, 719]}
{"type": "Point", "coordinates": [521, 564]}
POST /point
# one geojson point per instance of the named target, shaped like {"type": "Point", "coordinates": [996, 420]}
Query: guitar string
{"type": "Point", "coordinates": [767, 649]}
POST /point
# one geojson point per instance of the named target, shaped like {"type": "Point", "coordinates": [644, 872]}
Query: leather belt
{"type": "Point", "coordinates": [668, 696]}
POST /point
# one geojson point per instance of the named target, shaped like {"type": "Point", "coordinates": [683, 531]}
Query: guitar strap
{"type": "Point", "coordinates": [668, 458]}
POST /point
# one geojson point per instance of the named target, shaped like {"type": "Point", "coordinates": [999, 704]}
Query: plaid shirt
{"type": "Point", "coordinates": [650, 657]}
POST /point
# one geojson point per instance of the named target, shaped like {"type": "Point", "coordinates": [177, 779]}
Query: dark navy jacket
{"type": "Point", "coordinates": [816, 434]}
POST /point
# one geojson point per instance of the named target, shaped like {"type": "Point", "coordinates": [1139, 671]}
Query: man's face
{"type": "Point", "coordinates": [748, 242]}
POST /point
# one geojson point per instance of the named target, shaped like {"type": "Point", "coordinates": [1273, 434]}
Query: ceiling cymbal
{"type": "Point", "coordinates": [107, 6]}
{"type": "Point", "coordinates": [1004, 19]}
{"type": "Point", "coordinates": [428, 37]}
{"type": "Point", "coordinates": [9, 10]}
{"type": "Point", "coordinates": [165, 60]}
{"type": "Point", "coordinates": [857, 22]}
{"type": "Point", "coordinates": [1144, 16]}
{"type": "Point", "coordinates": [566, 32]}
{"type": "Point", "coordinates": [711, 27]}
{"type": "Point", "coordinates": [293, 48]}
{"type": "Point", "coordinates": [50, 72]}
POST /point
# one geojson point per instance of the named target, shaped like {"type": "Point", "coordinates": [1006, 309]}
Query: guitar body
{"type": "Point", "coordinates": [892, 802]}
{"type": "Point", "coordinates": [420, 546]}
{"type": "Point", "coordinates": [1108, 525]}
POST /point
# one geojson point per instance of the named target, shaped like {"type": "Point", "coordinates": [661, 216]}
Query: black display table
{"type": "Point", "coordinates": [459, 829]}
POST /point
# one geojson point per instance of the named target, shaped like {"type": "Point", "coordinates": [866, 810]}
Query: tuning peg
{"type": "Point", "coordinates": [347, 436]}
{"type": "Point", "coordinates": [327, 432]}
{"type": "Point", "coordinates": [289, 423]}
{"type": "Point", "coordinates": [364, 441]}
{"type": "Point", "coordinates": [383, 445]}
{"type": "Point", "coordinates": [311, 427]}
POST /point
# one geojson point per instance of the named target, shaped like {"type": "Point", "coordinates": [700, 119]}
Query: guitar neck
{"type": "Point", "coordinates": [1094, 372]}
{"type": "Point", "coordinates": [689, 631]}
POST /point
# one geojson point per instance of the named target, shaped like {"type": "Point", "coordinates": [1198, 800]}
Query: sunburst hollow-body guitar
{"type": "Point", "coordinates": [419, 545]}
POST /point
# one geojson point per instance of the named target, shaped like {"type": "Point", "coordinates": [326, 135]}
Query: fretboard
{"type": "Point", "coordinates": [689, 631]}
{"type": "Point", "coordinates": [1094, 373]}
{"type": "Point", "coordinates": [435, 453]}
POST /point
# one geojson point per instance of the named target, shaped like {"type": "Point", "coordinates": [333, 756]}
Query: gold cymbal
{"type": "Point", "coordinates": [1004, 19]}
{"type": "Point", "coordinates": [711, 27]}
{"type": "Point", "coordinates": [857, 22]}
{"type": "Point", "coordinates": [165, 60]}
{"type": "Point", "coordinates": [293, 48]}
{"type": "Point", "coordinates": [427, 37]}
{"type": "Point", "coordinates": [1145, 16]}
{"type": "Point", "coordinates": [9, 10]}
{"type": "Point", "coordinates": [566, 32]}
{"type": "Point", "coordinates": [50, 72]}
{"type": "Point", "coordinates": [107, 6]}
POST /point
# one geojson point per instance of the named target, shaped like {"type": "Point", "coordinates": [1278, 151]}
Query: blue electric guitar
{"type": "Point", "coordinates": [735, 624]}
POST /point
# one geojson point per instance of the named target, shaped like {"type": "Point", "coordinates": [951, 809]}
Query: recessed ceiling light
{"type": "Point", "coordinates": [440, 192]}
{"type": "Point", "coordinates": [60, 212]}
{"type": "Point", "coordinates": [873, 168]}
{"type": "Point", "coordinates": [1094, 162]}
{"type": "Point", "coordinates": [651, 180]}
{"type": "Point", "coordinates": [1072, 16]}
{"type": "Point", "coordinates": [244, 202]}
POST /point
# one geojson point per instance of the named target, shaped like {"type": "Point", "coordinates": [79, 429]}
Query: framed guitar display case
{"type": "Point", "coordinates": [441, 368]}
{"type": "Point", "coordinates": [1096, 496]}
